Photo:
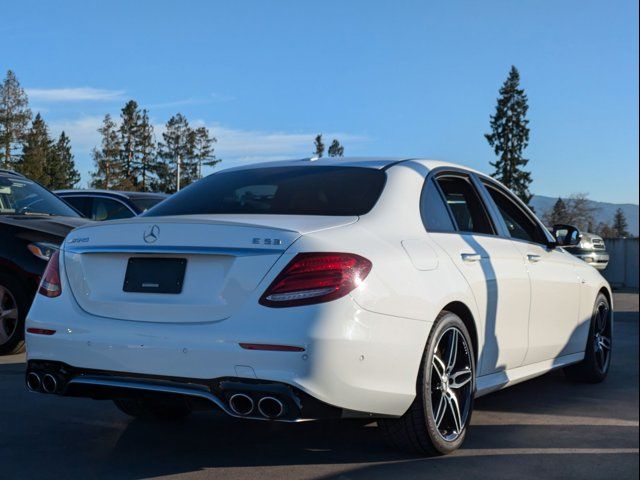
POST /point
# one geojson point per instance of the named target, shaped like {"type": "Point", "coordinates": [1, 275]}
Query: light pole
{"type": "Point", "coordinates": [178, 180]}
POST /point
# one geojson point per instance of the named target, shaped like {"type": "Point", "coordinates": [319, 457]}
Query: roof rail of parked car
{"type": "Point", "coordinates": [11, 172]}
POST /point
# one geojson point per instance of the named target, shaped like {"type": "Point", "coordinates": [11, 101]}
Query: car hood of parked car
{"type": "Point", "coordinates": [55, 226]}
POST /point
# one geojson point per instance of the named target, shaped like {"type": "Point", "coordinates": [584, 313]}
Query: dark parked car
{"type": "Point", "coordinates": [33, 223]}
{"type": "Point", "coordinates": [110, 205]}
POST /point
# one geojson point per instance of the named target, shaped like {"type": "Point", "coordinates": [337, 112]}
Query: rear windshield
{"type": "Point", "coordinates": [308, 190]}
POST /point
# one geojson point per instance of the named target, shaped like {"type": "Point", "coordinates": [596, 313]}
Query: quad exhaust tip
{"type": "Point", "coordinates": [33, 381]}
{"type": "Point", "coordinates": [241, 404]}
{"type": "Point", "coordinates": [270, 407]}
{"type": "Point", "coordinates": [49, 383]}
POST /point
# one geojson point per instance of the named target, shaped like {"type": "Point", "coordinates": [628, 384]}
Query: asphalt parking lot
{"type": "Point", "coordinates": [544, 428]}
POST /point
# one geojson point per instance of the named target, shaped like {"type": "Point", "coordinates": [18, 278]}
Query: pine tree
{"type": "Point", "coordinates": [559, 214]}
{"type": "Point", "coordinates": [335, 149]}
{"type": "Point", "coordinates": [108, 172]}
{"type": "Point", "coordinates": [620, 224]}
{"type": "Point", "coordinates": [146, 148]}
{"type": "Point", "coordinates": [203, 149]}
{"type": "Point", "coordinates": [61, 168]}
{"type": "Point", "coordinates": [178, 168]}
{"type": "Point", "coordinates": [130, 124]}
{"type": "Point", "coordinates": [36, 152]}
{"type": "Point", "coordinates": [509, 137]}
{"type": "Point", "coordinates": [14, 119]}
{"type": "Point", "coordinates": [319, 146]}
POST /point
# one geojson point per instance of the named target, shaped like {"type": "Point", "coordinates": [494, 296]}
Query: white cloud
{"type": "Point", "coordinates": [83, 133]}
{"type": "Point", "coordinates": [245, 146]}
{"type": "Point", "coordinates": [213, 98]}
{"type": "Point", "coordinates": [73, 94]}
{"type": "Point", "coordinates": [234, 146]}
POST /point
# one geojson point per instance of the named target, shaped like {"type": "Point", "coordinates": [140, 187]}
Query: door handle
{"type": "Point", "coordinates": [533, 258]}
{"type": "Point", "coordinates": [471, 257]}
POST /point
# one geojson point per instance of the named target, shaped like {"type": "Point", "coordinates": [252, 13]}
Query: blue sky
{"type": "Point", "coordinates": [386, 78]}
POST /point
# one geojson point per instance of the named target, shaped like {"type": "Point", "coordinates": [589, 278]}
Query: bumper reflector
{"type": "Point", "coordinates": [271, 348]}
{"type": "Point", "coordinates": [40, 331]}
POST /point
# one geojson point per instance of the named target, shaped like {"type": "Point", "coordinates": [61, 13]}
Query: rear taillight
{"type": "Point", "coordinates": [315, 278]}
{"type": "Point", "coordinates": [50, 284]}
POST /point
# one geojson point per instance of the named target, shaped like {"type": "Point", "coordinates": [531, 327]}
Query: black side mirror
{"type": "Point", "coordinates": [566, 235]}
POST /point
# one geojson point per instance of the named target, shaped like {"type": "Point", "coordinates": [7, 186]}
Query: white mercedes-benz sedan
{"type": "Point", "coordinates": [391, 289]}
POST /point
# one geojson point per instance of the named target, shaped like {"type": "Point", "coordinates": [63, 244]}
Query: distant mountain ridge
{"type": "Point", "coordinates": [604, 213]}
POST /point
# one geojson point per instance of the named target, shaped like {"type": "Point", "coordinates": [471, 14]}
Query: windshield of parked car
{"type": "Point", "coordinates": [298, 190]}
{"type": "Point", "coordinates": [19, 196]}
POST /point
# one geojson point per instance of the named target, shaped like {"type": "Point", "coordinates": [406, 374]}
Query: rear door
{"type": "Point", "coordinates": [491, 265]}
{"type": "Point", "coordinates": [555, 286]}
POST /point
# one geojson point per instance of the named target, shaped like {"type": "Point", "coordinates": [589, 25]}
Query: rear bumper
{"type": "Point", "coordinates": [212, 393]}
{"type": "Point", "coordinates": [353, 359]}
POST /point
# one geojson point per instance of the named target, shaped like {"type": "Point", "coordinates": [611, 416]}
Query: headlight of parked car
{"type": "Point", "coordinates": [43, 250]}
{"type": "Point", "coordinates": [585, 244]}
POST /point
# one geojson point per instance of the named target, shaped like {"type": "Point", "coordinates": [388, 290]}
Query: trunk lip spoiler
{"type": "Point", "coordinates": [186, 249]}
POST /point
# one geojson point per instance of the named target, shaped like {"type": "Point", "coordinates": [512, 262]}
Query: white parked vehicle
{"type": "Point", "coordinates": [392, 289]}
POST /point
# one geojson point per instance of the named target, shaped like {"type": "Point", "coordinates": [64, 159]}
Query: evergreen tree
{"type": "Point", "coordinates": [203, 149]}
{"type": "Point", "coordinates": [36, 152]}
{"type": "Point", "coordinates": [620, 224]}
{"type": "Point", "coordinates": [509, 137]}
{"type": "Point", "coordinates": [559, 214]}
{"type": "Point", "coordinates": [178, 168]}
{"type": "Point", "coordinates": [319, 146]}
{"type": "Point", "coordinates": [335, 149]}
{"type": "Point", "coordinates": [14, 119]}
{"type": "Point", "coordinates": [60, 167]}
{"type": "Point", "coordinates": [130, 125]}
{"type": "Point", "coordinates": [146, 149]}
{"type": "Point", "coordinates": [108, 172]}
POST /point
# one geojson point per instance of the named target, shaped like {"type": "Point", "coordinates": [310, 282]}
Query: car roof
{"type": "Point", "coordinates": [113, 193]}
{"type": "Point", "coordinates": [380, 163]}
{"type": "Point", "coordinates": [11, 172]}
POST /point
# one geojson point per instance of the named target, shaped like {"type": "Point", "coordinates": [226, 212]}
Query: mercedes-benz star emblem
{"type": "Point", "coordinates": [151, 234]}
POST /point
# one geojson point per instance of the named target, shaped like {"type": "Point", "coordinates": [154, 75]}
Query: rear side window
{"type": "Point", "coordinates": [107, 209]}
{"type": "Point", "coordinates": [465, 205]}
{"type": "Point", "coordinates": [433, 210]}
{"type": "Point", "coordinates": [145, 203]}
{"type": "Point", "coordinates": [82, 204]}
{"type": "Point", "coordinates": [304, 190]}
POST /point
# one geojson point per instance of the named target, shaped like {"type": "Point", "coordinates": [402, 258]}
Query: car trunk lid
{"type": "Point", "coordinates": [225, 258]}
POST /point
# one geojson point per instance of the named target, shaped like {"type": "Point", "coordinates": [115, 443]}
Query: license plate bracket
{"type": "Point", "coordinates": [154, 275]}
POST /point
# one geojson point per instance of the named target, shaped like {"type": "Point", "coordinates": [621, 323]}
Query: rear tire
{"type": "Point", "coordinates": [597, 356]}
{"type": "Point", "coordinates": [437, 420]}
{"type": "Point", "coordinates": [154, 409]}
{"type": "Point", "coordinates": [13, 309]}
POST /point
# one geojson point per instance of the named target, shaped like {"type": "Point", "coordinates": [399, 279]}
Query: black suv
{"type": "Point", "coordinates": [33, 224]}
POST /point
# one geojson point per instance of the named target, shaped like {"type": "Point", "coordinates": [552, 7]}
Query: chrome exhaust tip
{"type": "Point", "coordinates": [49, 383]}
{"type": "Point", "coordinates": [270, 407]}
{"type": "Point", "coordinates": [241, 404]}
{"type": "Point", "coordinates": [33, 381]}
